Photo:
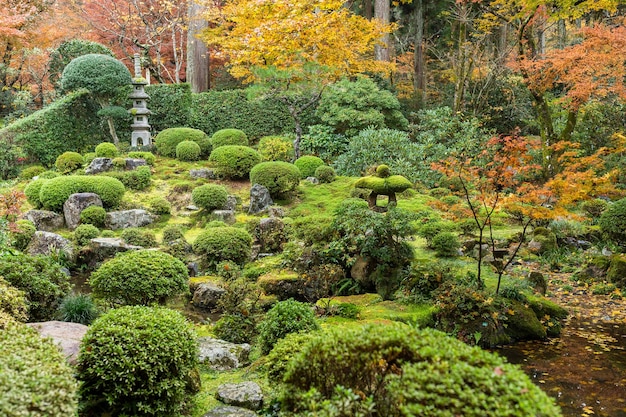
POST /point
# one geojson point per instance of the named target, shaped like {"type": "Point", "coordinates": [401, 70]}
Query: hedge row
{"type": "Point", "coordinates": [55, 192]}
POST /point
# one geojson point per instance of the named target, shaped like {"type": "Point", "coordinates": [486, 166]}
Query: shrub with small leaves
{"type": "Point", "coordinates": [68, 162]}
{"type": "Point", "coordinates": [13, 302]}
{"type": "Point", "coordinates": [325, 174]}
{"type": "Point", "coordinates": [594, 208]}
{"type": "Point", "coordinates": [137, 361]}
{"type": "Point", "coordinates": [32, 192]}
{"type": "Point", "coordinates": [84, 233]}
{"type": "Point", "coordinates": [188, 150]}
{"type": "Point", "coordinates": [218, 244]}
{"type": "Point", "coordinates": [106, 150]}
{"type": "Point", "coordinates": [30, 172]}
{"type": "Point", "coordinates": [94, 215]}
{"type": "Point", "coordinates": [172, 232]}
{"type": "Point", "coordinates": [35, 378]}
{"type": "Point", "coordinates": [140, 277]}
{"type": "Point", "coordinates": [613, 221]}
{"type": "Point", "coordinates": [445, 244]}
{"type": "Point", "coordinates": [234, 161]}
{"type": "Point", "coordinates": [23, 233]}
{"type": "Point", "coordinates": [210, 196]}
{"type": "Point", "coordinates": [275, 148]}
{"type": "Point", "coordinates": [278, 177]}
{"type": "Point", "coordinates": [54, 192]}
{"type": "Point", "coordinates": [160, 206]}
{"type": "Point", "coordinates": [235, 328]}
{"type": "Point", "coordinates": [283, 352]}
{"type": "Point", "coordinates": [119, 163]}
{"type": "Point", "coordinates": [226, 137]}
{"type": "Point", "coordinates": [48, 174]}
{"type": "Point", "coordinates": [167, 140]}
{"type": "Point", "coordinates": [88, 157]}
{"type": "Point", "coordinates": [228, 270]}
{"type": "Point", "coordinates": [147, 156]}
{"type": "Point", "coordinates": [139, 237]}
{"type": "Point", "coordinates": [285, 317]}
{"type": "Point", "coordinates": [138, 179]}
{"type": "Point", "coordinates": [308, 164]}
{"type": "Point", "coordinates": [78, 308]}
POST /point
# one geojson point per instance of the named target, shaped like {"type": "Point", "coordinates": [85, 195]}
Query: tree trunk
{"type": "Point", "coordinates": [419, 82]}
{"type": "Point", "coordinates": [368, 11]}
{"type": "Point", "coordinates": [198, 58]}
{"type": "Point", "coordinates": [112, 131]}
{"type": "Point", "coordinates": [561, 31]}
{"type": "Point", "coordinates": [382, 12]}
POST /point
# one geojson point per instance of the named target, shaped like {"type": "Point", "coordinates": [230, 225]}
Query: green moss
{"type": "Point", "coordinates": [617, 271]}
{"type": "Point", "coordinates": [384, 186]}
{"type": "Point", "coordinates": [523, 323]}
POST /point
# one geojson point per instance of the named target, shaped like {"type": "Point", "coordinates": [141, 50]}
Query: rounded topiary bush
{"type": "Point", "coordinates": [218, 244]}
{"type": "Point", "coordinates": [229, 137]}
{"type": "Point", "coordinates": [22, 235]}
{"type": "Point", "coordinates": [94, 215]}
{"type": "Point", "coordinates": [275, 148]}
{"type": "Point", "coordinates": [188, 150]}
{"type": "Point", "coordinates": [137, 361]}
{"type": "Point", "coordinates": [30, 172]}
{"type": "Point", "coordinates": [285, 317]}
{"type": "Point", "coordinates": [139, 237]}
{"type": "Point", "coordinates": [210, 196]}
{"type": "Point", "coordinates": [445, 244]}
{"type": "Point", "coordinates": [613, 221]}
{"type": "Point", "coordinates": [56, 191]}
{"type": "Point", "coordinates": [84, 233]}
{"type": "Point", "coordinates": [147, 156]}
{"type": "Point", "coordinates": [278, 177]}
{"type": "Point", "coordinates": [445, 376]}
{"type": "Point", "coordinates": [32, 192]}
{"type": "Point", "coordinates": [68, 162]}
{"type": "Point", "coordinates": [167, 140]}
{"type": "Point", "coordinates": [139, 278]}
{"type": "Point", "coordinates": [35, 379]}
{"type": "Point", "coordinates": [325, 174]}
{"type": "Point", "coordinates": [234, 161]}
{"type": "Point", "coordinates": [41, 279]}
{"type": "Point", "coordinates": [106, 150]}
{"type": "Point", "coordinates": [308, 164]}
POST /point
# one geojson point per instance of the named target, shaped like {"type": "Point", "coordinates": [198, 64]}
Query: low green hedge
{"type": "Point", "coordinates": [147, 156]}
{"type": "Point", "coordinates": [54, 192]}
{"type": "Point", "coordinates": [138, 179]}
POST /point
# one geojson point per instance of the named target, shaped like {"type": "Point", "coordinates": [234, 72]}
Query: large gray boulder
{"type": "Point", "coordinates": [134, 163]}
{"type": "Point", "coordinates": [98, 165]}
{"type": "Point", "coordinates": [128, 218]}
{"type": "Point", "coordinates": [260, 199]}
{"type": "Point", "coordinates": [231, 203]}
{"type": "Point", "coordinates": [44, 220]}
{"type": "Point", "coordinates": [206, 295]}
{"type": "Point", "coordinates": [202, 173]}
{"type": "Point", "coordinates": [245, 394]}
{"type": "Point", "coordinates": [221, 355]}
{"type": "Point", "coordinates": [66, 335]}
{"type": "Point", "coordinates": [102, 248]}
{"type": "Point", "coordinates": [75, 204]}
{"type": "Point", "coordinates": [226, 216]}
{"type": "Point", "coordinates": [230, 411]}
{"type": "Point", "coordinates": [48, 243]}
{"type": "Point", "coordinates": [271, 234]}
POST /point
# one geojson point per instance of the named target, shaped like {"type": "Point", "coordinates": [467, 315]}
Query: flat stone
{"type": "Point", "coordinates": [66, 335]}
{"type": "Point", "coordinates": [44, 220]}
{"type": "Point", "coordinates": [134, 163]}
{"type": "Point", "coordinates": [202, 173]}
{"type": "Point", "coordinates": [245, 394]}
{"type": "Point", "coordinates": [221, 355]}
{"type": "Point", "coordinates": [230, 411]}
{"type": "Point", "coordinates": [226, 216]}
{"type": "Point", "coordinates": [128, 218]}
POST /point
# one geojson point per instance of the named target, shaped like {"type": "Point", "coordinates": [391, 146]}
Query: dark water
{"type": "Point", "coordinates": [584, 369]}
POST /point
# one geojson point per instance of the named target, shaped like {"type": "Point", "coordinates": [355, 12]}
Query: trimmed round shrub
{"type": "Point", "coordinates": [445, 376]}
{"type": "Point", "coordinates": [137, 361]}
{"type": "Point", "coordinates": [101, 74]}
{"type": "Point", "coordinates": [35, 378]}
{"type": "Point", "coordinates": [68, 162]}
{"type": "Point", "coordinates": [275, 148]}
{"type": "Point", "coordinates": [234, 161]}
{"type": "Point", "coordinates": [139, 237]}
{"type": "Point", "coordinates": [56, 191]}
{"type": "Point", "coordinates": [88, 157]}
{"type": "Point", "coordinates": [30, 172]}
{"type": "Point", "coordinates": [210, 196]}
{"type": "Point", "coordinates": [188, 150]}
{"type": "Point", "coordinates": [285, 317]}
{"type": "Point", "coordinates": [106, 150]}
{"type": "Point", "coordinates": [13, 301]}
{"type": "Point", "coordinates": [325, 174]}
{"type": "Point", "coordinates": [32, 192]}
{"type": "Point", "coordinates": [139, 278]}
{"type": "Point", "coordinates": [147, 156]}
{"type": "Point", "coordinates": [160, 206]}
{"type": "Point", "coordinates": [229, 137]}
{"type": "Point", "coordinates": [167, 140]}
{"type": "Point", "coordinates": [385, 186]}
{"type": "Point", "coordinates": [20, 238]}
{"type": "Point", "coordinates": [445, 244]}
{"type": "Point", "coordinates": [78, 308]}
{"type": "Point", "coordinates": [41, 279]}
{"type": "Point", "coordinates": [278, 177]}
{"type": "Point", "coordinates": [308, 164]}
{"type": "Point", "coordinates": [84, 233]}
{"type": "Point", "coordinates": [172, 232]}
{"type": "Point", "coordinates": [94, 215]}
{"type": "Point", "coordinates": [218, 244]}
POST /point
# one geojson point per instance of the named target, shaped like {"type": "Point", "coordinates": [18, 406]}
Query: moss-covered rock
{"type": "Point", "coordinates": [617, 271]}
{"type": "Point", "coordinates": [523, 323]}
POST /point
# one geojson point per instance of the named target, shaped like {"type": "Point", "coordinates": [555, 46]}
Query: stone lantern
{"type": "Point", "coordinates": [140, 112]}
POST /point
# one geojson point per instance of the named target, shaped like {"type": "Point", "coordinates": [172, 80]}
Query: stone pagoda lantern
{"type": "Point", "coordinates": [140, 112]}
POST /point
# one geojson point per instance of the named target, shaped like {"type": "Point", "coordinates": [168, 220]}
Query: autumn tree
{"type": "Point", "coordinates": [291, 50]}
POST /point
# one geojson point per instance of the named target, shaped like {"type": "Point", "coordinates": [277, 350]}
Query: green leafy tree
{"type": "Point", "coordinates": [68, 50]}
{"type": "Point", "coordinates": [103, 76]}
